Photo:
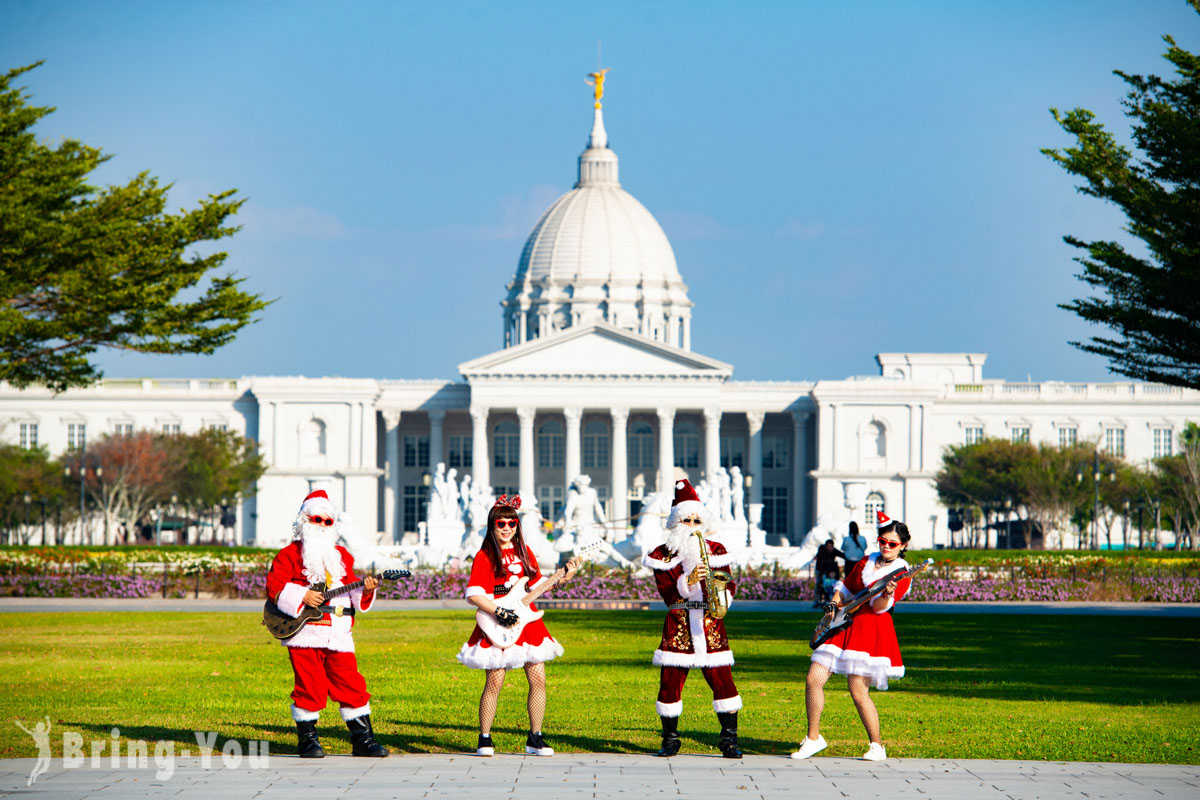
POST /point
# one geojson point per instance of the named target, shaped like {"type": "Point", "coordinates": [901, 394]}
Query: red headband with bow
{"type": "Point", "coordinates": [503, 500]}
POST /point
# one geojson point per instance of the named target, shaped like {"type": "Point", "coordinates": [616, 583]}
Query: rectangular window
{"type": "Point", "coordinates": [416, 499]}
{"type": "Point", "coordinates": [775, 452]}
{"type": "Point", "coordinates": [416, 451]}
{"type": "Point", "coordinates": [550, 450]}
{"type": "Point", "coordinates": [460, 451]}
{"type": "Point", "coordinates": [212, 426]}
{"type": "Point", "coordinates": [123, 429]}
{"type": "Point", "coordinates": [550, 498]}
{"type": "Point", "coordinates": [1068, 437]}
{"type": "Point", "coordinates": [641, 451]}
{"type": "Point", "coordinates": [506, 448]}
{"type": "Point", "coordinates": [1020, 435]}
{"type": "Point", "coordinates": [1114, 442]}
{"type": "Point", "coordinates": [687, 450]}
{"type": "Point", "coordinates": [170, 428]}
{"type": "Point", "coordinates": [1163, 442]}
{"type": "Point", "coordinates": [76, 435]}
{"type": "Point", "coordinates": [29, 435]}
{"type": "Point", "coordinates": [775, 509]}
{"type": "Point", "coordinates": [974, 434]}
{"type": "Point", "coordinates": [733, 452]}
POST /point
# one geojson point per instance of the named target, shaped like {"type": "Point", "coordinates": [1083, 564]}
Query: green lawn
{"type": "Point", "coordinates": [1023, 687]}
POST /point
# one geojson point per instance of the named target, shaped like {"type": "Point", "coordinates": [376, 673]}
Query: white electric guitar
{"type": "Point", "coordinates": [518, 601]}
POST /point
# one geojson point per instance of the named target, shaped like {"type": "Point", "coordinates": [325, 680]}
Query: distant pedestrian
{"type": "Point", "coordinates": [854, 546]}
{"type": "Point", "coordinates": [827, 557]}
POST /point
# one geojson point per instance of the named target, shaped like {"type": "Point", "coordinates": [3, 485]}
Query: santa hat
{"type": "Point", "coordinates": [686, 503]}
{"type": "Point", "coordinates": [882, 520]}
{"type": "Point", "coordinates": [318, 503]}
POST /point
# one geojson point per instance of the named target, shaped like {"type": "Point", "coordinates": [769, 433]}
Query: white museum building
{"type": "Point", "coordinates": [596, 376]}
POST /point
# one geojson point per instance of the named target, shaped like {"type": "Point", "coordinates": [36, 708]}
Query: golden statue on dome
{"type": "Point", "coordinates": [597, 83]}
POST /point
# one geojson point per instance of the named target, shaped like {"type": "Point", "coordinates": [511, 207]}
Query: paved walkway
{"type": "Point", "coordinates": [608, 776]}
{"type": "Point", "coordinates": [110, 604]}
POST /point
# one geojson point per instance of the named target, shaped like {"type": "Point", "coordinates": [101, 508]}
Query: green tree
{"type": "Point", "coordinates": [83, 268]}
{"type": "Point", "coordinates": [212, 469]}
{"type": "Point", "coordinates": [31, 473]}
{"type": "Point", "coordinates": [1152, 303]}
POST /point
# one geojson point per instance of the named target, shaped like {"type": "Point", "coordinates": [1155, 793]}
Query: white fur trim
{"type": "Point", "coordinates": [696, 627]}
{"type": "Point", "coordinates": [669, 709]}
{"type": "Point", "coordinates": [477, 591]}
{"type": "Point", "coordinates": [839, 588]}
{"type": "Point", "coordinates": [354, 713]}
{"type": "Point", "coordinates": [356, 600]}
{"type": "Point", "coordinates": [665, 658]}
{"type": "Point", "coordinates": [319, 505]}
{"type": "Point", "coordinates": [872, 571]}
{"type": "Point", "coordinates": [857, 662]}
{"type": "Point", "coordinates": [335, 636]}
{"type": "Point", "coordinates": [291, 599]}
{"type": "Point", "coordinates": [720, 561]}
{"type": "Point", "coordinates": [304, 715]}
{"type": "Point", "coordinates": [681, 510]}
{"type": "Point", "coordinates": [480, 657]}
{"type": "Point", "coordinates": [728, 704]}
{"type": "Point", "coordinates": [693, 592]}
{"type": "Point", "coordinates": [654, 563]}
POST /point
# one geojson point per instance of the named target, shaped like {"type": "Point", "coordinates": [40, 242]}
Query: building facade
{"type": "Point", "coordinates": [596, 376]}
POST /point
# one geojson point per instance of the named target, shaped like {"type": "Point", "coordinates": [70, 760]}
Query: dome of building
{"type": "Point", "coordinates": [597, 255]}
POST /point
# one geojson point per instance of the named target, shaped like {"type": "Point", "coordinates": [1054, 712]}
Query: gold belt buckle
{"type": "Point", "coordinates": [337, 611]}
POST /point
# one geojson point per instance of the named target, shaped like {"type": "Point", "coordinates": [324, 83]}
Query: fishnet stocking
{"type": "Point", "coordinates": [859, 692]}
{"type": "Point", "coordinates": [489, 698]}
{"type": "Point", "coordinates": [814, 697]}
{"type": "Point", "coordinates": [536, 703]}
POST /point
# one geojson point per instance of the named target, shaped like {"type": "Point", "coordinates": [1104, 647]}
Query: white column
{"type": "Point", "coordinates": [800, 514]}
{"type": "Point", "coordinates": [673, 330]}
{"type": "Point", "coordinates": [480, 458]}
{"type": "Point", "coordinates": [666, 450]}
{"type": "Point", "coordinates": [522, 316]}
{"type": "Point", "coordinates": [436, 417]}
{"type": "Point", "coordinates": [712, 442]}
{"type": "Point", "coordinates": [755, 420]}
{"type": "Point", "coordinates": [391, 495]}
{"type": "Point", "coordinates": [525, 417]}
{"type": "Point", "coordinates": [572, 462]}
{"type": "Point", "coordinates": [620, 467]}
{"type": "Point", "coordinates": [687, 333]}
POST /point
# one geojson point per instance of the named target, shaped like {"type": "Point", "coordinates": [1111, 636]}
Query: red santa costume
{"type": "Point", "coordinates": [691, 636]}
{"type": "Point", "coordinates": [535, 643]}
{"type": "Point", "coordinates": [322, 652]}
{"type": "Point", "coordinates": [869, 646]}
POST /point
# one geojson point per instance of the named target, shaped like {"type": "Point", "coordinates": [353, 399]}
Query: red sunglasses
{"type": "Point", "coordinates": [888, 544]}
{"type": "Point", "coordinates": [317, 519]}
{"type": "Point", "coordinates": [507, 523]}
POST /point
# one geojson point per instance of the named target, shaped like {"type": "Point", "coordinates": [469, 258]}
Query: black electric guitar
{"type": "Point", "coordinates": [283, 626]}
{"type": "Point", "coordinates": [840, 618]}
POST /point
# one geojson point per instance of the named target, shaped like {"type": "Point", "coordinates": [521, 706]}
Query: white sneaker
{"type": "Point", "coordinates": [536, 746]}
{"type": "Point", "coordinates": [811, 747]}
{"type": "Point", "coordinates": [875, 753]}
{"type": "Point", "coordinates": [485, 747]}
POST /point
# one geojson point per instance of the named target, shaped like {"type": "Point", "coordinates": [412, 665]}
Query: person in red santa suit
{"type": "Point", "coordinates": [691, 636]}
{"type": "Point", "coordinates": [867, 652]}
{"type": "Point", "coordinates": [322, 652]}
{"type": "Point", "coordinates": [502, 561]}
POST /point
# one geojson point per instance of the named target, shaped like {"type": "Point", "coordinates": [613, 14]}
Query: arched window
{"type": "Point", "coordinates": [312, 440]}
{"type": "Point", "coordinates": [872, 446]}
{"type": "Point", "coordinates": [687, 446]}
{"type": "Point", "coordinates": [595, 445]}
{"type": "Point", "coordinates": [506, 444]}
{"type": "Point", "coordinates": [873, 503]}
{"type": "Point", "coordinates": [550, 444]}
{"type": "Point", "coordinates": [641, 445]}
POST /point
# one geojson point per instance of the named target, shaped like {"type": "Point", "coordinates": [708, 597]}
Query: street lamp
{"type": "Point", "coordinates": [747, 482]}
{"type": "Point", "coordinates": [28, 500]}
{"type": "Point", "coordinates": [1096, 500]}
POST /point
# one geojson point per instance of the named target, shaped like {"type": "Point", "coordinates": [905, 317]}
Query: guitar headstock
{"type": "Point", "coordinates": [395, 574]}
{"type": "Point", "coordinates": [924, 565]}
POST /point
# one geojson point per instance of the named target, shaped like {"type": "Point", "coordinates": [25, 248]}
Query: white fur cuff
{"type": "Point", "coordinates": [669, 709]}
{"type": "Point", "coordinates": [291, 599]}
{"type": "Point", "coordinates": [354, 713]}
{"type": "Point", "coordinates": [728, 704]}
{"type": "Point", "coordinates": [304, 715]}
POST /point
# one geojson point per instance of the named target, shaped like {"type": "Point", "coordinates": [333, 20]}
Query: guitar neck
{"type": "Point", "coordinates": [545, 587]}
{"type": "Point", "coordinates": [873, 591]}
{"type": "Point", "coordinates": [349, 587]}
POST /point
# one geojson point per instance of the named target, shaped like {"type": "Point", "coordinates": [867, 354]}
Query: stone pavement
{"type": "Point", "coordinates": [608, 776]}
{"type": "Point", "coordinates": [208, 605]}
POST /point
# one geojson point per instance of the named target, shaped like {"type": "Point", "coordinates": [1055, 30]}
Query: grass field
{"type": "Point", "coordinates": [1011, 687]}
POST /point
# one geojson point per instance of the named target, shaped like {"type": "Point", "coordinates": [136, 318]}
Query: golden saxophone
{"type": "Point", "coordinates": [714, 583]}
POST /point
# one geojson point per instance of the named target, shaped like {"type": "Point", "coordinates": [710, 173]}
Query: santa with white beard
{"type": "Point", "coordinates": [322, 652]}
{"type": "Point", "coordinates": [691, 636]}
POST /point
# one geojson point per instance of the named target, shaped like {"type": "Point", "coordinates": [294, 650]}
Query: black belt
{"type": "Point", "coordinates": [687, 604]}
{"type": "Point", "coordinates": [337, 611]}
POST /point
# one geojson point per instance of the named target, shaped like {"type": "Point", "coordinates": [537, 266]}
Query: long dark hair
{"type": "Point", "coordinates": [902, 533]}
{"type": "Point", "coordinates": [492, 545]}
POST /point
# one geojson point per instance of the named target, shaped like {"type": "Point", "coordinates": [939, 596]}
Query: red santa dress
{"type": "Point", "coordinates": [535, 643]}
{"type": "Point", "coordinates": [869, 646]}
{"type": "Point", "coordinates": [322, 652]}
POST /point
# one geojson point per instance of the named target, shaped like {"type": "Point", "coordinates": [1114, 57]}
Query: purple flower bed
{"type": "Point", "coordinates": [81, 586]}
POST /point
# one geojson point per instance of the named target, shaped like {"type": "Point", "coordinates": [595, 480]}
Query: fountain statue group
{"type": "Point", "coordinates": [457, 512]}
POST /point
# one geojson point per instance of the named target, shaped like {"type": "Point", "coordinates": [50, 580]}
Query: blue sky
{"type": "Point", "coordinates": [837, 179]}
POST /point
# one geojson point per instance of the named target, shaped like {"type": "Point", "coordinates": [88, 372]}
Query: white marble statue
{"type": "Point", "coordinates": [737, 490]}
{"type": "Point", "coordinates": [724, 496]}
{"type": "Point", "coordinates": [651, 530]}
{"type": "Point", "coordinates": [583, 524]}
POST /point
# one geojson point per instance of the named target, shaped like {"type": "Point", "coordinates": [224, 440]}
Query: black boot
{"type": "Point", "coordinates": [728, 742]}
{"type": "Point", "coordinates": [309, 745]}
{"type": "Point", "coordinates": [362, 738]}
{"type": "Point", "coordinates": [670, 737]}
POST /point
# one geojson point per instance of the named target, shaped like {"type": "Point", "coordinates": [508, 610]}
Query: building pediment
{"type": "Point", "coordinates": [598, 350]}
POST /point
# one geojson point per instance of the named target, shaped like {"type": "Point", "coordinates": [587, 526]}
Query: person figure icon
{"type": "Point", "coordinates": [41, 738]}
